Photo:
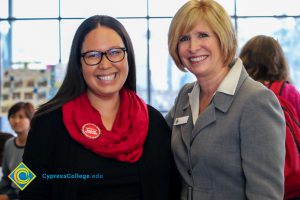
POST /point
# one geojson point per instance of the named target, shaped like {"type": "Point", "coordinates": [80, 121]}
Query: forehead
{"type": "Point", "coordinates": [102, 38]}
{"type": "Point", "coordinates": [199, 25]}
{"type": "Point", "coordinates": [21, 111]}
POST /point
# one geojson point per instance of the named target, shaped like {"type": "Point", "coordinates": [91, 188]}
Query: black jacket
{"type": "Point", "coordinates": [51, 150]}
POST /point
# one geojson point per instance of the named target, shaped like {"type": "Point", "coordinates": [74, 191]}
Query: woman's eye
{"type": "Point", "coordinates": [93, 55]}
{"type": "Point", "coordinates": [202, 35]}
{"type": "Point", "coordinates": [114, 52]}
{"type": "Point", "coordinates": [184, 38]}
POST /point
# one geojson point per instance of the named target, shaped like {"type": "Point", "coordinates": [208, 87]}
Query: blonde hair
{"type": "Point", "coordinates": [214, 15]}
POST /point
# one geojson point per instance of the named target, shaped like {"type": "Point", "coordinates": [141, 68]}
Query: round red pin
{"type": "Point", "coordinates": [91, 131]}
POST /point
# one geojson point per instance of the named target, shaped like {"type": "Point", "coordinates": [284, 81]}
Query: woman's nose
{"type": "Point", "coordinates": [105, 63]}
{"type": "Point", "coordinates": [193, 45]}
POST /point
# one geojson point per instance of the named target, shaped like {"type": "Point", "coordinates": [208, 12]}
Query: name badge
{"type": "Point", "coordinates": [181, 120]}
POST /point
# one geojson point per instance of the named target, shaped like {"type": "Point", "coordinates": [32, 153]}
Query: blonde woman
{"type": "Point", "coordinates": [228, 130]}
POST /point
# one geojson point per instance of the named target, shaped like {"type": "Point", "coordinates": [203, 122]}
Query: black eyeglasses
{"type": "Point", "coordinates": [113, 55]}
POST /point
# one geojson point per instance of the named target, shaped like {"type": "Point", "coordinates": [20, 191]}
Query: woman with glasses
{"type": "Point", "coordinates": [96, 139]}
{"type": "Point", "coordinates": [228, 130]}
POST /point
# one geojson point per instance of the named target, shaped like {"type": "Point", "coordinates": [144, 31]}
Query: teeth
{"type": "Point", "coordinates": [107, 78]}
{"type": "Point", "coordinates": [197, 59]}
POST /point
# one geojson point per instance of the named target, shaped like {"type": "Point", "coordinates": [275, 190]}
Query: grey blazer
{"type": "Point", "coordinates": [236, 149]}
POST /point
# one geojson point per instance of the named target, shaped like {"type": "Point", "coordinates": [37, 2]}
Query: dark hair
{"type": "Point", "coordinates": [264, 59]}
{"type": "Point", "coordinates": [74, 84]}
{"type": "Point", "coordinates": [28, 108]}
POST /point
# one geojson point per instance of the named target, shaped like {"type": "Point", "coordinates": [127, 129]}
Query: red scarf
{"type": "Point", "coordinates": [126, 139]}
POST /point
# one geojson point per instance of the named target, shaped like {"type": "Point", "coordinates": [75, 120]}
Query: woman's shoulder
{"type": "Point", "coordinates": [253, 87]}
{"type": "Point", "coordinates": [290, 89]}
{"type": "Point", "coordinates": [154, 114]}
{"type": "Point", "coordinates": [184, 91]}
{"type": "Point", "coordinates": [152, 110]}
{"type": "Point", "coordinates": [156, 120]}
{"type": "Point", "coordinates": [10, 142]}
{"type": "Point", "coordinates": [159, 135]}
{"type": "Point", "coordinates": [292, 95]}
{"type": "Point", "coordinates": [253, 92]}
{"type": "Point", "coordinates": [48, 119]}
{"type": "Point", "coordinates": [186, 88]}
{"type": "Point", "coordinates": [51, 114]}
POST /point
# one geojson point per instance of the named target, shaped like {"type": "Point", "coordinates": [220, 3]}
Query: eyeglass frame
{"type": "Point", "coordinates": [103, 53]}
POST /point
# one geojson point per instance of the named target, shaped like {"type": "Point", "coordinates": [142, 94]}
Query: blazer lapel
{"type": "Point", "coordinates": [205, 119]}
{"type": "Point", "coordinates": [186, 128]}
{"type": "Point", "coordinates": [222, 102]}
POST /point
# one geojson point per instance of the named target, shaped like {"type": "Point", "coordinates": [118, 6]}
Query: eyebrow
{"type": "Point", "coordinates": [113, 47]}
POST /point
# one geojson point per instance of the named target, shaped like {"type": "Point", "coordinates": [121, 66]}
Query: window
{"type": "Point", "coordinates": [35, 42]}
{"type": "Point", "coordinates": [42, 33]}
{"type": "Point", "coordinates": [3, 8]}
{"type": "Point", "coordinates": [115, 8]}
{"type": "Point", "coordinates": [267, 8]}
{"type": "Point", "coordinates": [34, 9]}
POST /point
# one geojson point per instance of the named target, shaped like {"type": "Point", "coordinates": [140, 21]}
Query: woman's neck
{"type": "Point", "coordinates": [21, 139]}
{"type": "Point", "coordinates": [209, 85]}
{"type": "Point", "coordinates": [107, 107]}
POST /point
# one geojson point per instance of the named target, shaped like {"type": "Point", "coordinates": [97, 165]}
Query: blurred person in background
{"type": "Point", "coordinates": [19, 117]}
{"type": "Point", "coordinates": [265, 62]}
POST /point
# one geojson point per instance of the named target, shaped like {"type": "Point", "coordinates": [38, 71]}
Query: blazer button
{"type": "Point", "coordinates": [189, 172]}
